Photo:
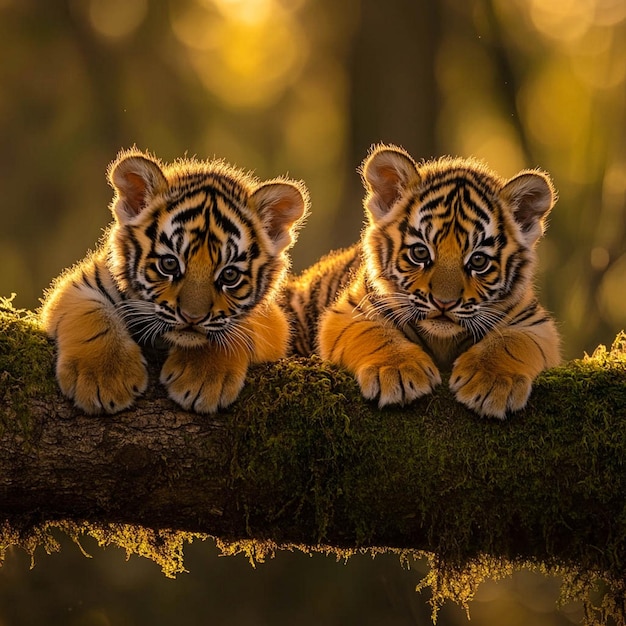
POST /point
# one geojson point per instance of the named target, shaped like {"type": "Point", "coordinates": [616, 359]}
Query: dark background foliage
{"type": "Point", "coordinates": [304, 87]}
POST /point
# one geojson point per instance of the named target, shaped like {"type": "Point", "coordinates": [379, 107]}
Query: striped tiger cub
{"type": "Point", "coordinates": [441, 280]}
{"type": "Point", "coordinates": [194, 258]}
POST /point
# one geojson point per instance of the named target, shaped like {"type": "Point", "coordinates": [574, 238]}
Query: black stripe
{"type": "Point", "coordinates": [101, 286]}
{"type": "Point", "coordinates": [382, 346]}
{"type": "Point", "coordinates": [506, 349]}
{"type": "Point", "coordinates": [188, 214]}
{"type": "Point", "coordinates": [526, 313]}
{"type": "Point", "coordinates": [480, 213]}
{"type": "Point", "coordinates": [543, 354]}
{"type": "Point", "coordinates": [102, 333]}
{"type": "Point", "coordinates": [86, 280]}
{"type": "Point", "coordinates": [227, 225]}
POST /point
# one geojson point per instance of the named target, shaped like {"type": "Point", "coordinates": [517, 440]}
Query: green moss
{"type": "Point", "coordinates": [26, 366]}
{"type": "Point", "coordinates": [286, 438]}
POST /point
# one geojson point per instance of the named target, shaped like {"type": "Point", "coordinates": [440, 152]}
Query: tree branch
{"type": "Point", "coordinates": [302, 459]}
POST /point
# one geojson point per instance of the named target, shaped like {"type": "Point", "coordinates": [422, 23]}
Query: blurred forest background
{"type": "Point", "coordinates": [304, 87]}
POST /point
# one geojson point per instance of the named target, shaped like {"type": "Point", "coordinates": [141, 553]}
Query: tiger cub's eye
{"type": "Point", "coordinates": [419, 254]}
{"type": "Point", "coordinates": [168, 265]}
{"type": "Point", "coordinates": [478, 262]}
{"type": "Point", "coordinates": [230, 276]}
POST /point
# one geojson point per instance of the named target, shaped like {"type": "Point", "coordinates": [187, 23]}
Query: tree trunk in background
{"type": "Point", "coordinates": [394, 96]}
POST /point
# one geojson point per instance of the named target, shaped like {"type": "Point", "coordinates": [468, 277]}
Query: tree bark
{"type": "Point", "coordinates": [301, 459]}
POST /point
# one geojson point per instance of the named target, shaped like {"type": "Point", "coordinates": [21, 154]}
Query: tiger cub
{"type": "Point", "coordinates": [441, 279]}
{"type": "Point", "coordinates": [194, 258]}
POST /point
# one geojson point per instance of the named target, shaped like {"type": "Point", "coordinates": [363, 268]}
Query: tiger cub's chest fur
{"type": "Point", "coordinates": [441, 280]}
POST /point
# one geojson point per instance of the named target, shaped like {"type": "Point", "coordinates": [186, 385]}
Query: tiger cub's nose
{"type": "Point", "coordinates": [191, 317]}
{"type": "Point", "coordinates": [443, 305]}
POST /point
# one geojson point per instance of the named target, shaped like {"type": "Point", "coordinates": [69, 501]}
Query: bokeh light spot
{"type": "Point", "coordinates": [599, 258]}
{"type": "Point", "coordinates": [563, 20]}
{"type": "Point", "coordinates": [117, 18]}
{"type": "Point", "coordinates": [245, 11]}
{"type": "Point", "coordinates": [244, 52]}
{"type": "Point", "coordinates": [555, 109]}
{"type": "Point", "coordinates": [600, 59]}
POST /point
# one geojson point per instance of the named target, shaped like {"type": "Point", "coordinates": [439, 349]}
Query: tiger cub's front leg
{"type": "Point", "coordinates": [210, 377]}
{"type": "Point", "coordinates": [385, 363]}
{"type": "Point", "coordinates": [204, 379]}
{"type": "Point", "coordinates": [496, 374]}
{"type": "Point", "coordinates": [98, 365]}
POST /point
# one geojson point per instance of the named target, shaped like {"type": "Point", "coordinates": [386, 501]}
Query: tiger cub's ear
{"type": "Point", "coordinates": [282, 206]}
{"type": "Point", "coordinates": [386, 172]}
{"type": "Point", "coordinates": [531, 196]}
{"type": "Point", "coordinates": [136, 179]}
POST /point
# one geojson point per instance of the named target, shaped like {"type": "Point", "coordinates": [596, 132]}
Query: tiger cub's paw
{"type": "Point", "coordinates": [397, 376]}
{"type": "Point", "coordinates": [102, 380]}
{"type": "Point", "coordinates": [202, 381]}
{"type": "Point", "coordinates": [488, 383]}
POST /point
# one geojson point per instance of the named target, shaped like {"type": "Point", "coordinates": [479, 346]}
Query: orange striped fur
{"type": "Point", "coordinates": [194, 260]}
{"type": "Point", "coordinates": [441, 281]}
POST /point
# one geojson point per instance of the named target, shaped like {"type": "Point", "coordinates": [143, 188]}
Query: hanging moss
{"type": "Point", "coordinates": [164, 547]}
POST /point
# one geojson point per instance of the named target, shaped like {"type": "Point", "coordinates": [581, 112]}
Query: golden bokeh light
{"type": "Point", "coordinates": [614, 188]}
{"type": "Point", "coordinates": [116, 18]}
{"type": "Point", "coordinates": [600, 59]}
{"type": "Point", "coordinates": [556, 110]}
{"type": "Point", "coordinates": [599, 258]}
{"type": "Point", "coordinates": [562, 20]}
{"type": "Point", "coordinates": [610, 12]}
{"type": "Point", "coordinates": [245, 52]}
{"type": "Point", "coordinates": [315, 126]}
{"type": "Point", "coordinates": [493, 141]}
{"type": "Point", "coordinates": [245, 11]}
{"type": "Point", "coordinates": [195, 25]}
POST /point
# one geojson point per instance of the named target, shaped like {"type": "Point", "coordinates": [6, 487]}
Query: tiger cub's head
{"type": "Point", "coordinates": [196, 245]}
{"type": "Point", "coordinates": [449, 245]}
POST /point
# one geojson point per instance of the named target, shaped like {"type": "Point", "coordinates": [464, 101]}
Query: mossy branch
{"type": "Point", "coordinates": [301, 459]}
